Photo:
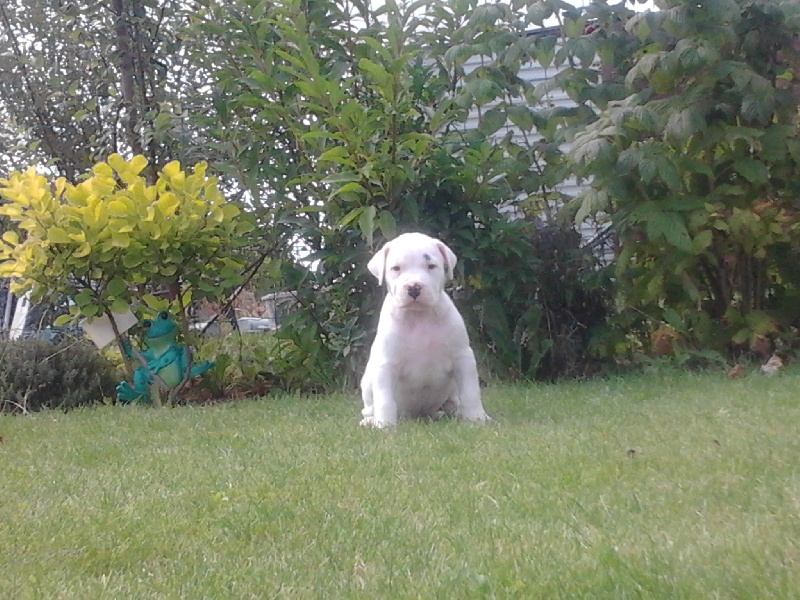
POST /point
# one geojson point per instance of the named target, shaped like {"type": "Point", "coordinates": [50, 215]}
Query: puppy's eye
{"type": "Point", "coordinates": [431, 267]}
{"type": "Point", "coordinates": [396, 268]}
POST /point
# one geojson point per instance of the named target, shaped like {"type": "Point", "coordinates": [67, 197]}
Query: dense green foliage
{"type": "Point", "coordinates": [37, 374]}
{"type": "Point", "coordinates": [349, 126]}
{"type": "Point", "coordinates": [697, 168]}
{"type": "Point", "coordinates": [339, 125]}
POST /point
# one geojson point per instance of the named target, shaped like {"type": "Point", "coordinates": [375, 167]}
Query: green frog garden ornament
{"type": "Point", "coordinates": [165, 356]}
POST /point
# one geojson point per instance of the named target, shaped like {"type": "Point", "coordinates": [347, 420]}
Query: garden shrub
{"type": "Point", "coordinates": [696, 169]}
{"type": "Point", "coordinates": [534, 301]}
{"type": "Point", "coordinates": [37, 374]}
{"type": "Point", "coordinates": [244, 366]}
{"type": "Point", "coordinates": [574, 299]}
{"type": "Point", "coordinates": [351, 135]}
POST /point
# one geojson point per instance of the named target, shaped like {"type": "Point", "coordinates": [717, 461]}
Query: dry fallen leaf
{"type": "Point", "coordinates": [736, 372]}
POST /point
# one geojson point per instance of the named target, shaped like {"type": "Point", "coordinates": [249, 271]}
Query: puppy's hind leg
{"type": "Point", "coordinates": [449, 409]}
{"type": "Point", "coordinates": [470, 406]}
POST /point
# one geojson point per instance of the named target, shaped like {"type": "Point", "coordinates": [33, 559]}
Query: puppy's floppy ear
{"type": "Point", "coordinates": [449, 258]}
{"type": "Point", "coordinates": [377, 264]}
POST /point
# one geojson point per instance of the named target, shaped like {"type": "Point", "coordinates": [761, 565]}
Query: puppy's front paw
{"type": "Point", "coordinates": [371, 422]}
{"type": "Point", "coordinates": [481, 417]}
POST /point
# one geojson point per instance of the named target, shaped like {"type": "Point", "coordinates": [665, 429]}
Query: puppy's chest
{"type": "Point", "coordinates": [424, 348]}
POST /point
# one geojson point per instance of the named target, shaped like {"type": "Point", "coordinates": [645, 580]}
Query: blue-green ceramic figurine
{"type": "Point", "coordinates": [165, 357]}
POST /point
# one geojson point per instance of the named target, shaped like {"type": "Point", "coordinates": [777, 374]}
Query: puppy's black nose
{"type": "Point", "coordinates": [414, 291]}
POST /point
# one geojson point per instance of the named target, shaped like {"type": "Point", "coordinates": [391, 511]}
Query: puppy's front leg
{"type": "Point", "coordinates": [470, 406]}
{"type": "Point", "coordinates": [368, 412]}
{"type": "Point", "coordinates": [384, 406]}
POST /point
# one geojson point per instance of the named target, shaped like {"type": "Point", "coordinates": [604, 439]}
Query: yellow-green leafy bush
{"type": "Point", "coordinates": [101, 240]}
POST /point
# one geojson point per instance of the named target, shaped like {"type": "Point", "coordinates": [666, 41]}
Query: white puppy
{"type": "Point", "coordinates": [421, 364]}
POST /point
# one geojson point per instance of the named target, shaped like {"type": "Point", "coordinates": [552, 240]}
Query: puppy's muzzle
{"type": "Point", "coordinates": [414, 290]}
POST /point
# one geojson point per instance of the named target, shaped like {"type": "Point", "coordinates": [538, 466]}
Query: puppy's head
{"type": "Point", "coordinates": [415, 268]}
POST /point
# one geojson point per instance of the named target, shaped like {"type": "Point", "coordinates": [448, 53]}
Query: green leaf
{"type": "Point", "coordinates": [84, 297]}
{"type": "Point", "coordinates": [91, 310]}
{"type": "Point", "coordinates": [366, 222]}
{"type": "Point", "coordinates": [350, 217]}
{"type": "Point", "coordinates": [589, 147]}
{"type": "Point", "coordinates": [117, 287]}
{"type": "Point", "coordinates": [378, 73]}
{"type": "Point", "coordinates": [154, 302]}
{"type": "Point", "coordinates": [131, 260]}
{"type": "Point", "coordinates": [574, 28]}
{"type": "Point", "coordinates": [753, 170]}
{"type": "Point", "coordinates": [341, 177]}
{"type": "Point", "coordinates": [641, 25]}
{"type": "Point", "coordinates": [314, 135]}
{"type": "Point", "coordinates": [545, 50]}
{"type": "Point", "coordinates": [684, 124]}
{"type": "Point", "coordinates": [62, 320]}
{"type": "Point", "coordinates": [481, 90]}
{"type": "Point", "coordinates": [84, 250]}
{"type": "Point", "coordinates": [671, 227]}
{"type": "Point", "coordinates": [592, 201]}
{"type": "Point", "coordinates": [337, 154]}
{"type": "Point", "coordinates": [521, 116]}
{"type": "Point", "coordinates": [742, 336]}
{"type": "Point", "coordinates": [774, 142]}
{"type": "Point", "coordinates": [674, 319]}
{"type": "Point", "coordinates": [584, 49]}
{"type": "Point", "coordinates": [56, 235]}
{"type": "Point", "coordinates": [120, 305]}
{"type": "Point", "coordinates": [669, 173]}
{"type": "Point", "coordinates": [411, 206]}
{"type": "Point", "coordinates": [120, 240]}
{"type": "Point", "coordinates": [702, 241]}
{"type": "Point", "coordinates": [349, 188]}
{"type": "Point", "coordinates": [11, 237]}
{"type": "Point", "coordinates": [724, 11]}
{"type": "Point", "coordinates": [492, 120]}
{"type": "Point", "coordinates": [387, 224]}
{"type": "Point", "coordinates": [538, 12]}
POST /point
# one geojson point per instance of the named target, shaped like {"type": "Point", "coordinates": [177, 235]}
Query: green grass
{"type": "Point", "coordinates": [669, 485]}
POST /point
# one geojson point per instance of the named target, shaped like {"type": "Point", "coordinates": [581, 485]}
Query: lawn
{"type": "Point", "coordinates": [665, 485]}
